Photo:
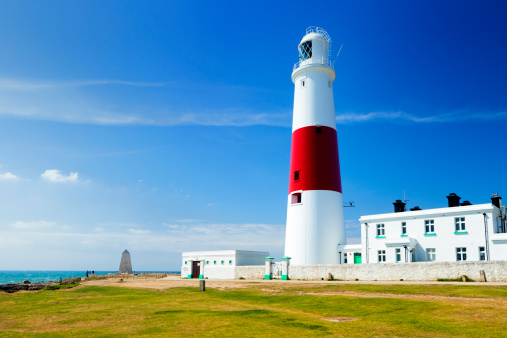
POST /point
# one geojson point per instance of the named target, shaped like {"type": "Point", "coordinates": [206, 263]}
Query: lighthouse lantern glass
{"type": "Point", "coordinates": [305, 50]}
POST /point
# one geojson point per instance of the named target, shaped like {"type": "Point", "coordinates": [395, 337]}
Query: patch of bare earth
{"type": "Point", "coordinates": [165, 283]}
{"type": "Point", "coordinates": [339, 319]}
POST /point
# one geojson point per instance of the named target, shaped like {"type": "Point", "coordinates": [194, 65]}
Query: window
{"type": "Point", "coordinates": [330, 83]}
{"type": "Point", "coordinates": [222, 262]}
{"type": "Point", "coordinates": [318, 130]}
{"type": "Point", "coordinates": [403, 228]}
{"type": "Point", "coordinates": [303, 83]}
{"type": "Point", "coordinates": [296, 198]}
{"type": "Point", "coordinates": [429, 226]}
{"type": "Point", "coordinates": [482, 253]}
{"type": "Point", "coordinates": [398, 255]}
{"type": "Point", "coordinates": [430, 254]}
{"type": "Point", "coordinates": [305, 51]}
{"type": "Point", "coordinates": [461, 254]}
{"type": "Point", "coordinates": [230, 262]}
{"type": "Point", "coordinates": [345, 258]}
{"type": "Point", "coordinates": [381, 256]}
{"type": "Point", "coordinates": [296, 175]}
{"type": "Point", "coordinates": [185, 262]}
{"type": "Point", "coordinates": [380, 230]}
{"type": "Point", "coordinates": [460, 223]}
{"type": "Point", "coordinates": [214, 262]}
{"type": "Point", "coordinates": [207, 262]}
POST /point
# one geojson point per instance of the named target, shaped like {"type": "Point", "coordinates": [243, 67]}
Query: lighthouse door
{"type": "Point", "coordinates": [196, 269]}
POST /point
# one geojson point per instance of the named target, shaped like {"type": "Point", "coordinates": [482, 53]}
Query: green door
{"type": "Point", "coordinates": [357, 258]}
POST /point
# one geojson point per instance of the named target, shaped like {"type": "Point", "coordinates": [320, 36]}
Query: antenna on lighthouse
{"type": "Point", "coordinates": [338, 54]}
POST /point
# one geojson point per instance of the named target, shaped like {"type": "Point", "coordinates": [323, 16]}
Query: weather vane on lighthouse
{"type": "Point", "coordinates": [315, 221]}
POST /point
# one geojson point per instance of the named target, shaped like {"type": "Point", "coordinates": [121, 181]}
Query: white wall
{"type": "Point", "coordinates": [496, 271]}
{"type": "Point", "coordinates": [213, 267]}
{"type": "Point", "coordinates": [250, 272]}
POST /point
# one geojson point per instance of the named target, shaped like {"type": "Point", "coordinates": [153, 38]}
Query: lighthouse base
{"type": "Point", "coordinates": [315, 227]}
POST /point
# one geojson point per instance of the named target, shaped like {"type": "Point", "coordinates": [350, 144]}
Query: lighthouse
{"type": "Point", "coordinates": [315, 222]}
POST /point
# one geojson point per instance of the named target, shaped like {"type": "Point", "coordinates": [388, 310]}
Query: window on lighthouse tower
{"type": "Point", "coordinates": [296, 198]}
{"type": "Point", "coordinates": [305, 50]}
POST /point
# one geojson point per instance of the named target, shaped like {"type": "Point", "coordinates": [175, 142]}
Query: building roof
{"type": "Point", "coordinates": [462, 210]}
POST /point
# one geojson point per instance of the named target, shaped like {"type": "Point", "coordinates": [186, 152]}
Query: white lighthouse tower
{"type": "Point", "coordinates": [315, 222]}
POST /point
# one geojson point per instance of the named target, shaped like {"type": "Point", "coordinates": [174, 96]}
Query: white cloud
{"type": "Point", "coordinates": [54, 175]}
{"type": "Point", "coordinates": [139, 232]}
{"type": "Point", "coordinates": [23, 85]}
{"type": "Point", "coordinates": [8, 177]}
{"type": "Point", "coordinates": [346, 118]}
{"type": "Point", "coordinates": [355, 117]}
{"type": "Point", "coordinates": [101, 248]}
{"type": "Point", "coordinates": [32, 225]}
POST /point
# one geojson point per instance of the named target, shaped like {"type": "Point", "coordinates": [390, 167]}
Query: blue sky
{"type": "Point", "coordinates": [161, 127]}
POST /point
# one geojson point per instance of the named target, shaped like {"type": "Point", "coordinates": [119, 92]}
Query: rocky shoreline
{"type": "Point", "coordinates": [28, 286]}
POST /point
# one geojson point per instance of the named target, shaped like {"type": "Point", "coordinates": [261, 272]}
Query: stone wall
{"type": "Point", "coordinates": [250, 271]}
{"type": "Point", "coordinates": [496, 271]}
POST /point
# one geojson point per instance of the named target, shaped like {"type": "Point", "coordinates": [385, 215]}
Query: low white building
{"type": "Point", "coordinates": [456, 233]}
{"type": "Point", "coordinates": [218, 264]}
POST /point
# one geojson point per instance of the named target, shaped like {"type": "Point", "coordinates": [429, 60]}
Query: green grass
{"type": "Point", "coordinates": [278, 310]}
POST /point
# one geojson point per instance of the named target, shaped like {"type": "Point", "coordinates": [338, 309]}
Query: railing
{"type": "Point", "coordinates": [323, 61]}
{"type": "Point", "coordinates": [314, 61]}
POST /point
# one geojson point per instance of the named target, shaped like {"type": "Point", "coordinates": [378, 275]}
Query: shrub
{"type": "Point", "coordinates": [61, 286]}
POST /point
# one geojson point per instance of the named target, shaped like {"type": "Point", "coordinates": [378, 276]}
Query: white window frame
{"type": "Point", "coordinates": [403, 228]}
{"type": "Point", "coordinates": [461, 254]}
{"type": "Point", "coordinates": [381, 256]}
{"type": "Point", "coordinates": [431, 254]}
{"type": "Point", "coordinates": [292, 197]}
{"type": "Point", "coordinates": [459, 224]}
{"type": "Point", "coordinates": [429, 226]}
{"type": "Point", "coordinates": [482, 253]}
{"type": "Point", "coordinates": [381, 230]}
{"type": "Point", "coordinates": [397, 254]}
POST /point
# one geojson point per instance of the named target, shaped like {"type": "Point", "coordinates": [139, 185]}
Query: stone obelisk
{"type": "Point", "coordinates": [125, 264]}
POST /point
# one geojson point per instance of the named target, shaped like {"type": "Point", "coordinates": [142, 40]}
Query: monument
{"type": "Point", "coordinates": [125, 264]}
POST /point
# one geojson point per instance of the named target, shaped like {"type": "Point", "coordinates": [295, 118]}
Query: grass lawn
{"type": "Point", "coordinates": [267, 310]}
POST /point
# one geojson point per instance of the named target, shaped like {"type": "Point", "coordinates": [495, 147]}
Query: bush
{"type": "Point", "coordinates": [241, 277]}
{"type": "Point", "coordinates": [61, 286]}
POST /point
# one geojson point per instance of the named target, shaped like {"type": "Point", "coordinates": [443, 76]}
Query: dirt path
{"type": "Point", "coordinates": [278, 287]}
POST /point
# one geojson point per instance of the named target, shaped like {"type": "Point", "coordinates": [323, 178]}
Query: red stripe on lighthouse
{"type": "Point", "coordinates": [315, 157]}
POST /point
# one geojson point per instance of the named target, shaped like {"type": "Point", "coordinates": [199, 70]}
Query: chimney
{"type": "Point", "coordinates": [453, 200]}
{"type": "Point", "coordinates": [496, 201]}
{"type": "Point", "coordinates": [399, 206]}
{"type": "Point", "coordinates": [415, 208]}
{"type": "Point", "coordinates": [465, 203]}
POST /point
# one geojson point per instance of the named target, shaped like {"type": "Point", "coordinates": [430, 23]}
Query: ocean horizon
{"type": "Point", "coordinates": [34, 276]}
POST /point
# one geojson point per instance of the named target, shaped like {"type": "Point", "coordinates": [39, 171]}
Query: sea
{"type": "Point", "coordinates": [34, 276]}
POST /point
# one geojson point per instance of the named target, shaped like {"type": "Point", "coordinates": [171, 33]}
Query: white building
{"type": "Point", "coordinates": [457, 233]}
{"type": "Point", "coordinates": [218, 264]}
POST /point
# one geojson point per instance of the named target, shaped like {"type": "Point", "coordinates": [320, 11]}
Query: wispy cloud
{"type": "Point", "coordinates": [53, 175]}
{"type": "Point", "coordinates": [34, 225]}
{"type": "Point", "coordinates": [43, 242]}
{"type": "Point", "coordinates": [139, 231]}
{"type": "Point", "coordinates": [69, 102]}
{"type": "Point", "coordinates": [27, 85]}
{"type": "Point", "coordinates": [365, 117]}
{"type": "Point", "coordinates": [346, 118]}
{"type": "Point", "coordinates": [8, 176]}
